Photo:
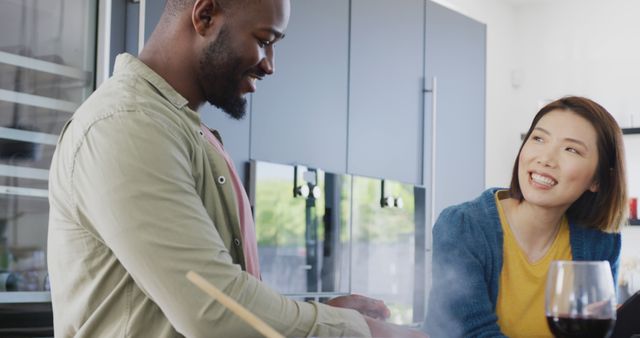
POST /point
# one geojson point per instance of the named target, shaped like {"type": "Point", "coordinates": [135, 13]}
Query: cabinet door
{"type": "Point", "coordinates": [299, 114]}
{"type": "Point", "coordinates": [385, 100]}
{"type": "Point", "coordinates": [455, 55]}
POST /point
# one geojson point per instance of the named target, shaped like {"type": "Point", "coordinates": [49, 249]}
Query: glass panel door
{"type": "Point", "coordinates": [350, 235]}
{"type": "Point", "coordinates": [384, 244]}
{"type": "Point", "coordinates": [47, 64]}
{"type": "Point", "coordinates": [302, 217]}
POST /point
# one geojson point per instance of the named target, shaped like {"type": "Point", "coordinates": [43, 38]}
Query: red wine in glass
{"type": "Point", "coordinates": [567, 327]}
{"type": "Point", "coordinates": [580, 299]}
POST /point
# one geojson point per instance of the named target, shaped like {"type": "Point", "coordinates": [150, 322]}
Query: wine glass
{"type": "Point", "coordinates": [580, 299]}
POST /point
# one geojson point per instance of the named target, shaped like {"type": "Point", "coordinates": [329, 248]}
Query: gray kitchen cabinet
{"type": "Point", "coordinates": [354, 96]}
{"type": "Point", "coordinates": [385, 89]}
{"type": "Point", "coordinates": [455, 63]}
{"type": "Point", "coordinates": [299, 114]}
{"type": "Point", "coordinates": [454, 124]}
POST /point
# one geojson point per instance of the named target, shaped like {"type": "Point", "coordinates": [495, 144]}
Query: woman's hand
{"type": "Point", "coordinates": [370, 307]}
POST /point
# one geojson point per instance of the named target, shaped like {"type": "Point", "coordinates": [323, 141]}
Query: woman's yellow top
{"type": "Point", "coordinates": [520, 307]}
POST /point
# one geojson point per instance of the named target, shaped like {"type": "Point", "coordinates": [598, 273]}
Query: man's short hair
{"type": "Point", "coordinates": [173, 7]}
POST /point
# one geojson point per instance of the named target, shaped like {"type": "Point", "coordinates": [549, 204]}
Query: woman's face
{"type": "Point", "coordinates": [558, 162]}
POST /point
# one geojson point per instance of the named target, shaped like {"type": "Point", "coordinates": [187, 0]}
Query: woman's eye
{"type": "Point", "coordinates": [572, 150]}
{"type": "Point", "coordinates": [536, 138]}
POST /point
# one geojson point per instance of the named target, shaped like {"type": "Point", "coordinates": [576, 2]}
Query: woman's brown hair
{"type": "Point", "coordinates": [606, 208]}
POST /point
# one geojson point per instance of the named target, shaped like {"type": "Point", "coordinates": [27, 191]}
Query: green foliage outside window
{"type": "Point", "coordinates": [381, 225]}
{"type": "Point", "coordinates": [280, 218]}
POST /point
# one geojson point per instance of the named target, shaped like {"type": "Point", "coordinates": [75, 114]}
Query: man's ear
{"type": "Point", "coordinates": [206, 17]}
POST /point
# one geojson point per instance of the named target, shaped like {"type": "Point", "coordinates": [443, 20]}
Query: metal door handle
{"type": "Point", "coordinates": [434, 120]}
{"type": "Point", "coordinates": [141, 24]}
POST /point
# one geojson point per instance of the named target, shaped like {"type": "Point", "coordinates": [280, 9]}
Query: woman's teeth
{"type": "Point", "coordinates": [543, 180]}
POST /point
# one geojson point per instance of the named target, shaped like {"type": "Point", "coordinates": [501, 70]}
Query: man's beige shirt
{"type": "Point", "coordinates": [136, 202]}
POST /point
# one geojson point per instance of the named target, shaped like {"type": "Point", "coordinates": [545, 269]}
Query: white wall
{"type": "Point", "coordinates": [552, 48]}
{"type": "Point", "coordinates": [582, 47]}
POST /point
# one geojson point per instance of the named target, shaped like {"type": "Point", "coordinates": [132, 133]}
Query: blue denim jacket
{"type": "Point", "coordinates": [467, 261]}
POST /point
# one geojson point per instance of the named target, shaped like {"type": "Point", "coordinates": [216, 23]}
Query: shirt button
{"type": "Point", "coordinates": [236, 242]}
{"type": "Point", "coordinates": [222, 179]}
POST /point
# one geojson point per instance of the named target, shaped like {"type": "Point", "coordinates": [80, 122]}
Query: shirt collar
{"type": "Point", "coordinates": [127, 63]}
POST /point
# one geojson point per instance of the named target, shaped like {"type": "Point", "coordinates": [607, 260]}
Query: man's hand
{"type": "Point", "coordinates": [388, 330]}
{"type": "Point", "coordinates": [370, 307]}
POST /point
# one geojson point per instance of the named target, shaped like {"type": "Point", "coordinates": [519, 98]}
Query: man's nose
{"type": "Point", "coordinates": [268, 61]}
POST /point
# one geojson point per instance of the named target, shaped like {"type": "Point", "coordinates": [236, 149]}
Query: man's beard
{"type": "Point", "coordinates": [220, 76]}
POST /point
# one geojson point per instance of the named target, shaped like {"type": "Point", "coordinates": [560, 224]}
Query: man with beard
{"type": "Point", "coordinates": [142, 192]}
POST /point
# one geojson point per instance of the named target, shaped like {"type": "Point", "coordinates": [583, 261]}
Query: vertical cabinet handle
{"type": "Point", "coordinates": [434, 139]}
{"type": "Point", "coordinates": [141, 24]}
